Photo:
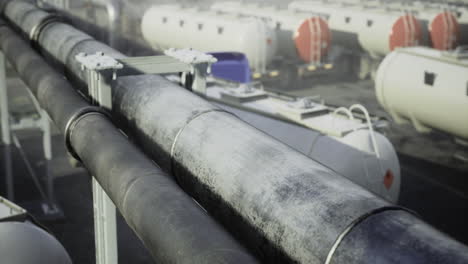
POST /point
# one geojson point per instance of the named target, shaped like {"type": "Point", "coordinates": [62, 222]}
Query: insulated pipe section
{"type": "Point", "coordinates": [150, 200]}
{"type": "Point", "coordinates": [283, 205]}
{"type": "Point", "coordinates": [268, 194]}
{"type": "Point", "coordinates": [172, 226]}
{"type": "Point", "coordinates": [397, 237]}
{"type": "Point", "coordinates": [286, 206]}
{"type": "Point", "coordinates": [58, 42]}
{"type": "Point", "coordinates": [52, 91]}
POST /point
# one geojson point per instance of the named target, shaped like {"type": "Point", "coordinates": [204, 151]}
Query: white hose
{"type": "Point", "coordinates": [345, 111]}
{"type": "Point", "coordinates": [369, 123]}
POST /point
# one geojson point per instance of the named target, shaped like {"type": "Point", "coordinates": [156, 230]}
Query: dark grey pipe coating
{"type": "Point", "coordinates": [172, 226]}
{"type": "Point", "coordinates": [52, 90]}
{"type": "Point", "coordinates": [150, 200]}
{"type": "Point", "coordinates": [257, 185]}
{"type": "Point", "coordinates": [279, 202]}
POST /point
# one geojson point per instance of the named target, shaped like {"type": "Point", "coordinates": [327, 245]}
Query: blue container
{"type": "Point", "coordinates": [231, 66]}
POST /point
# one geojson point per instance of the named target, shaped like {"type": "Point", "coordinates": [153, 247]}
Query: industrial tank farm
{"type": "Point", "coordinates": [177, 27]}
{"type": "Point", "coordinates": [300, 36]}
{"type": "Point", "coordinates": [263, 131]}
{"type": "Point", "coordinates": [441, 24]}
{"type": "Point", "coordinates": [375, 32]}
{"type": "Point", "coordinates": [369, 32]}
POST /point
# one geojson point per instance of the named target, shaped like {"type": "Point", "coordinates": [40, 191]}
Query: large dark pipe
{"type": "Point", "coordinates": [283, 205]}
{"type": "Point", "coordinates": [151, 201]}
{"type": "Point", "coordinates": [257, 185]}
{"type": "Point", "coordinates": [171, 225]}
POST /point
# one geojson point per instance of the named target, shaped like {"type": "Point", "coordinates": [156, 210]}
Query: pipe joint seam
{"type": "Point", "coordinates": [358, 221]}
{"type": "Point", "coordinates": [76, 117]}
{"type": "Point", "coordinates": [174, 143]}
{"type": "Point", "coordinates": [36, 31]}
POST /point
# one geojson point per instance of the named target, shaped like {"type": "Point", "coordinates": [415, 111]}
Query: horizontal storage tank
{"type": "Point", "coordinates": [300, 36]}
{"type": "Point", "coordinates": [364, 157]}
{"type": "Point", "coordinates": [440, 27]}
{"type": "Point", "coordinates": [376, 32]}
{"type": "Point", "coordinates": [441, 23]}
{"type": "Point", "coordinates": [171, 26]}
{"type": "Point", "coordinates": [427, 87]}
{"type": "Point", "coordinates": [443, 28]}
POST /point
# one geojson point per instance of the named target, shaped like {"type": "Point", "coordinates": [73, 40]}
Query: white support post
{"type": "Point", "coordinates": [104, 208]}
{"type": "Point", "coordinates": [6, 133]}
{"type": "Point", "coordinates": [47, 146]}
{"type": "Point", "coordinates": [105, 226]}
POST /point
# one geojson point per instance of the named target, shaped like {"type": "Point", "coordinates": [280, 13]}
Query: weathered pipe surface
{"type": "Point", "coordinates": [25, 15]}
{"type": "Point", "coordinates": [151, 202]}
{"type": "Point", "coordinates": [172, 226]}
{"type": "Point", "coordinates": [285, 206]}
{"type": "Point", "coordinates": [253, 183]}
{"type": "Point", "coordinates": [53, 91]}
{"type": "Point", "coordinates": [398, 237]}
{"type": "Point", "coordinates": [57, 41]}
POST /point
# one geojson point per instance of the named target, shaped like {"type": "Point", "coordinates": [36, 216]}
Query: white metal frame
{"type": "Point", "coordinates": [97, 67]}
{"type": "Point", "coordinates": [8, 139]}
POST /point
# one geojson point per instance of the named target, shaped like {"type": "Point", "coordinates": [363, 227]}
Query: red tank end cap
{"type": "Point", "coordinates": [406, 32]}
{"type": "Point", "coordinates": [313, 39]}
{"type": "Point", "coordinates": [444, 31]}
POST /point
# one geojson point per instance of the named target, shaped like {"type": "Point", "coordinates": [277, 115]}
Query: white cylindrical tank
{"type": "Point", "coordinates": [387, 182]}
{"type": "Point", "coordinates": [376, 32]}
{"type": "Point", "coordinates": [300, 36]}
{"type": "Point", "coordinates": [171, 26]}
{"type": "Point", "coordinates": [426, 87]}
{"type": "Point", "coordinates": [440, 27]}
{"type": "Point", "coordinates": [441, 23]}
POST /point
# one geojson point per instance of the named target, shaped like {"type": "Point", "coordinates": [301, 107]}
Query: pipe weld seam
{"type": "Point", "coordinates": [192, 118]}
{"type": "Point", "coordinates": [130, 186]}
{"type": "Point", "coordinates": [358, 221]}
{"type": "Point", "coordinates": [73, 121]}
{"type": "Point", "coordinates": [36, 31]}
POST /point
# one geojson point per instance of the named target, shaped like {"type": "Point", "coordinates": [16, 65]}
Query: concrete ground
{"type": "Point", "coordinates": [435, 189]}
